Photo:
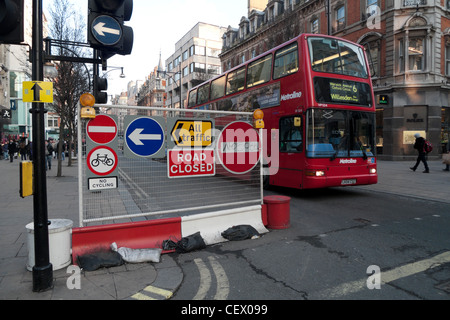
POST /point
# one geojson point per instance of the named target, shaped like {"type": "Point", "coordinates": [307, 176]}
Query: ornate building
{"type": "Point", "coordinates": [153, 91]}
{"type": "Point", "coordinates": [409, 46]}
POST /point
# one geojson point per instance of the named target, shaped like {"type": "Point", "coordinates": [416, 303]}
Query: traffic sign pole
{"type": "Point", "coordinates": [42, 270]}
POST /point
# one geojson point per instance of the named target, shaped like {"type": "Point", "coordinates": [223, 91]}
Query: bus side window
{"type": "Point", "coordinates": [286, 61]}
{"type": "Point", "coordinates": [291, 134]}
{"type": "Point", "coordinates": [218, 88]}
{"type": "Point", "coordinates": [192, 98]}
{"type": "Point", "coordinates": [203, 94]}
{"type": "Point", "coordinates": [259, 71]}
{"type": "Point", "coordinates": [236, 81]}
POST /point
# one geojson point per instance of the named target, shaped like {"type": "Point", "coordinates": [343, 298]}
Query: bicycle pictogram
{"type": "Point", "coordinates": [103, 159]}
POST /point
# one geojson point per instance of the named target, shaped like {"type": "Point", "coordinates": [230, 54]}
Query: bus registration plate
{"type": "Point", "coordinates": [348, 182]}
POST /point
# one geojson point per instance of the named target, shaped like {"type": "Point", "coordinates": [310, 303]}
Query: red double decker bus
{"type": "Point", "coordinates": [318, 102]}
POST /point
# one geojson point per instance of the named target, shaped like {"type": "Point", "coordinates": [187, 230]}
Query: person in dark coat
{"type": "Point", "coordinates": [420, 142]}
{"type": "Point", "coordinates": [12, 148]}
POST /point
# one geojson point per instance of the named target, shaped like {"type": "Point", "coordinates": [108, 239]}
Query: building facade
{"type": "Point", "coordinates": [195, 60]}
{"type": "Point", "coordinates": [153, 92]}
{"type": "Point", "coordinates": [408, 42]}
{"type": "Point", "coordinates": [15, 68]}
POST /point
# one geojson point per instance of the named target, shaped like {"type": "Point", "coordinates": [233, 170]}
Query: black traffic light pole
{"type": "Point", "coordinates": [43, 269]}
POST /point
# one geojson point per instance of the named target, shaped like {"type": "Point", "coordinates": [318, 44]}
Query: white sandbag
{"type": "Point", "coordinates": [138, 255]}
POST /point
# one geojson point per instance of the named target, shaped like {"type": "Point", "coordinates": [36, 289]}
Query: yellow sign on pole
{"type": "Point", "coordinates": [38, 91]}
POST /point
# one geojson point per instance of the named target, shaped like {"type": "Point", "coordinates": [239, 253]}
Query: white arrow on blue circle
{"type": "Point", "coordinates": [136, 137]}
{"type": "Point", "coordinates": [101, 29]}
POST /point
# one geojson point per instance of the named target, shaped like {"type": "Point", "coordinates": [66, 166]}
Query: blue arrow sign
{"type": "Point", "coordinates": [106, 30]}
{"type": "Point", "coordinates": [144, 137]}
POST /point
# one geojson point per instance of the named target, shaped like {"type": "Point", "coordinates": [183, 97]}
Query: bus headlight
{"type": "Point", "coordinates": [373, 170]}
{"type": "Point", "coordinates": [320, 173]}
{"type": "Point", "coordinates": [315, 173]}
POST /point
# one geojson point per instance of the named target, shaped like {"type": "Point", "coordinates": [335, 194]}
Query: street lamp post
{"type": "Point", "coordinates": [122, 75]}
{"type": "Point", "coordinates": [173, 73]}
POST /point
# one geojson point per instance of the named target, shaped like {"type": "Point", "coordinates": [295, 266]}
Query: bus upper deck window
{"type": "Point", "coordinates": [218, 88]}
{"type": "Point", "coordinates": [286, 61]}
{"type": "Point", "coordinates": [192, 98]}
{"type": "Point", "coordinates": [259, 71]}
{"type": "Point", "coordinates": [203, 94]}
{"type": "Point", "coordinates": [236, 81]}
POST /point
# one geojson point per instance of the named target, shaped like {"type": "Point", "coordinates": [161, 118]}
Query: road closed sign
{"type": "Point", "coordinates": [183, 163]}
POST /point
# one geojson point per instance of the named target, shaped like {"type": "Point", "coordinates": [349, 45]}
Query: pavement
{"type": "Point", "coordinates": [143, 281]}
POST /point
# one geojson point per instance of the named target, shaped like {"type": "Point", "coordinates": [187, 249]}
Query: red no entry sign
{"type": "Point", "coordinates": [102, 129]}
{"type": "Point", "coordinates": [238, 147]}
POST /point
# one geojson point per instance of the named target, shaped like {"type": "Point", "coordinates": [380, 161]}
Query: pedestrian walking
{"type": "Point", "coordinates": [48, 155]}
{"type": "Point", "coordinates": [63, 150]}
{"type": "Point", "coordinates": [5, 150]}
{"type": "Point", "coordinates": [23, 150]}
{"type": "Point", "coordinates": [12, 149]}
{"type": "Point", "coordinates": [419, 146]}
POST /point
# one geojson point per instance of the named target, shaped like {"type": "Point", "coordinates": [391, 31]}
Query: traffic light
{"type": "Point", "coordinates": [100, 85]}
{"type": "Point", "coordinates": [11, 21]}
{"type": "Point", "coordinates": [106, 29]}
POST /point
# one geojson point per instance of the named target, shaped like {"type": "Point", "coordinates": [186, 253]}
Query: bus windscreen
{"type": "Point", "coordinates": [335, 56]}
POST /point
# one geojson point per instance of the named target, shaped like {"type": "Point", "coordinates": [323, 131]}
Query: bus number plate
{"type": "Point", "coordinates": [348, 182]}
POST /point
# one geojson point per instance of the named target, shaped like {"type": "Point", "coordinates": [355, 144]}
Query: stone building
{"type": "Point", "coordinates": [153, 91]}
{"type": "Point", "coordinates": [409, 46]}
{"type": "Point", "coordinates": [195, 60]}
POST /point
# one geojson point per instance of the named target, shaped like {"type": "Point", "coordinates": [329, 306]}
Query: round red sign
{"type": "Point", "coordinates": [238, 147]}
{"type": "Point", "coordinates": [102, 129]}
{"type": "Point", "coordinates": [102, 160]}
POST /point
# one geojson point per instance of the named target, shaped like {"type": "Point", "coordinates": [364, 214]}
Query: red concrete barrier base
{"type": "Point", "coordinates": [136, 235]}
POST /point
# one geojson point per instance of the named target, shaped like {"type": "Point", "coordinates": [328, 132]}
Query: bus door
{"type": "Point", "coordinates": [291, 146]}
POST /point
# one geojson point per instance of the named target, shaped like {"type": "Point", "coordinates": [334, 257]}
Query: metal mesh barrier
{"type": "Point", "coordinates": [144, 189]}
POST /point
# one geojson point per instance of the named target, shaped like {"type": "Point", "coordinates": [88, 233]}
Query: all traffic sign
{"type": "Point", "coordinates": [106, 30]}
{"type": "Point", "coordinates": [192, 133]}
{"type": "Point", "coordinates": [102, 129]}
{"type": "Point", "coordinates": [238, 147]}
{"type": "Point", "coordinates": [144, 137]}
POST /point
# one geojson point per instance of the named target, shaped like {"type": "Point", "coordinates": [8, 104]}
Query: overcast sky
{"type": "Point", "coordinates": [158, 25]}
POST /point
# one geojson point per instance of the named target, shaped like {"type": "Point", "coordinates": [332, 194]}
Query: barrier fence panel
{"type": "Point", "coordinates": [143, 163]}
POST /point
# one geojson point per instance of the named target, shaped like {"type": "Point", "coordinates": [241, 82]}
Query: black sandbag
{"type": "Point", "coordinates": [241, 232]}
{"type": "Point", "coordinates": [190, 243]}
{"type": "Point", "coordinates": [101, 259]}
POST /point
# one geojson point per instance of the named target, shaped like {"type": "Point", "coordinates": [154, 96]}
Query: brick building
{"type": "Point", "coordinates": [409, 46]}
